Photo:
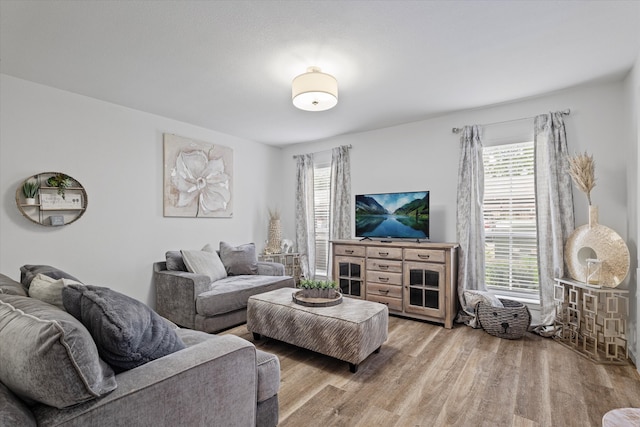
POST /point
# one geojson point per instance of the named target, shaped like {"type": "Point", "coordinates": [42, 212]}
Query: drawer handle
{"type": "Point", "coordinates": [383, 291]}
{"type": "Point", "coordinates": [383, 267]}
{"type": "Point", "coordinates": [383, 279]}
{"type": "Point", "coordinates": [423, 256]}
{"type": "Point", "coordinates": [383, 253]}
{"type": "Point", "coordinates": [348, 251]}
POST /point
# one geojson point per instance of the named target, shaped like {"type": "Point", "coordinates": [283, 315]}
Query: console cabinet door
{"type": "Point", "coordinates": [424, 288]}
{"type": "Point", "coordinates": [350, 273]}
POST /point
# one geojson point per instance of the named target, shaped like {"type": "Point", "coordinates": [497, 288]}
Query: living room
{"type": "Point", "coordinates": [116, 151]}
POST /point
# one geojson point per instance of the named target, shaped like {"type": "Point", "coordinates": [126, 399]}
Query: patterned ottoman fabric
{"type": "Point", "coordinates": [349, 331]}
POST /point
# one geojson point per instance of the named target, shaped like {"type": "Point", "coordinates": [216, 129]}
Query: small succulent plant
{"type": "Point", "coordinates": [61, 181]}
{"type": "Point", "coordinates": [30, 188]}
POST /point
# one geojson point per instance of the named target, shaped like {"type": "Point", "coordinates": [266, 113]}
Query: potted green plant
{"type": "Point", "coordinates": [319, 288]}
{"type": "Point", "coordinates": [61, 181]}
{"type": "Point", "coordinates": [30, 190]}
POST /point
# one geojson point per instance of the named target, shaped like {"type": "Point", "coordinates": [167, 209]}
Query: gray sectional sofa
{"type": "Point", "coordinates": [211, 300]}
{"type": "Point", "coordinates": [53, 373]}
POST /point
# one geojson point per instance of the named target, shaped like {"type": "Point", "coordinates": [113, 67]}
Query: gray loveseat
{"type": "Point", "coordinates": [195, 301]}
{"type": "Point", "coordinates": [212, 381]}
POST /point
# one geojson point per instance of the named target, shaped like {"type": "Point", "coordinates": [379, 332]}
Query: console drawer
{"type": "Point", "coordinates": [393, 303]}
{"type": "Point", "coordinates": [384, 265]}
{"type": "Point", "coordinates": [430, 255]}
{"type": "Point", "coordinates": [384, 277]}
{"type": "Point", "coordinates": [376, 289]}
{"type": "Point", "coordinates": [381, 252]}
{"type": "Point", "coordinates": [349, 250]}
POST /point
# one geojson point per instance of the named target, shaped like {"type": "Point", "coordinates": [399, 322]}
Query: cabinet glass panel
{"type": "Point", "coordinates": [424, 288]}
{"type": "Point", "coordinates": [350, 279]}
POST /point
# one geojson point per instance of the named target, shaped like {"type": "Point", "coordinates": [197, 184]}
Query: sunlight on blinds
{"type": "Point", "coordinates": [321, 188]}
{"type": "Point", "coordinates": [511, 255]}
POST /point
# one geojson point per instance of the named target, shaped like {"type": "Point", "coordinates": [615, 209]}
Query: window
{"type": "Point", "coordinates": [321, 190]}
{"type": "Point", "coordinates": [511, 255]}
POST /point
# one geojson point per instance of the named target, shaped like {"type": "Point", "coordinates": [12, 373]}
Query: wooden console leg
{"type": "Point", "coordinates": [377, 350]}
{"type": "Point", "coordinates": [353, 367]}
{"type": "Point", "coordinates": [256, 336]}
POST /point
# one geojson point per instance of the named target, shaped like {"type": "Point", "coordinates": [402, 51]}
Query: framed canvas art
{"type": "Point", "coordinates": [198, 178]}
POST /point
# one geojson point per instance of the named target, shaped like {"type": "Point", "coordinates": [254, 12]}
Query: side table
{"type": "Point", "coordinates": [592, 321]}
{"type": "Point", "coordinates": [291, 262]}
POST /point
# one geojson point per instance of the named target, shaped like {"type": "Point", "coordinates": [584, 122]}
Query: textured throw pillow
{"type": "Point", "coordinates": [10, 286]}
{"type": "Point", "coordinates": [51, 358]}
{"type": "Point", "coordinates": [175, 261]}
{"type": "Point", "coordinates": [49, 290]}
{"type": "Point", "coordinates": [474, 297]}
{"type": "Point", "coordinates": [28, 272]}
{"type": "Point", "coordinates": [127, 332]}
{"type": "Point", "coordinates": [239, 259]}
{"type": "Point", "coordinates": [204, 262]}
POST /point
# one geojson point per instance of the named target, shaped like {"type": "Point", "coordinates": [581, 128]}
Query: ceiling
{"type": "Point", "coordinates": [228, 65]}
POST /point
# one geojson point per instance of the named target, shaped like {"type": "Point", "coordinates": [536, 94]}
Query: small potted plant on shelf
{"type": "Point", "coordinates": [30, 190]}
{"type": "Point", "coordinates": [61, 181]}
{"type": "Point", "coordinates": [319, 288]}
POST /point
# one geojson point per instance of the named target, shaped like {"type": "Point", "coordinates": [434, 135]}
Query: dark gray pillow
{"type": "Point", "coordinates": [48, 356]}
{"type": "Point", "coordinates": [239, 260]}
{"type": "Point", "coordinates": [126, 331]}
{"type": "Point", "coordinates": [175, 261]}
{"type": "Point", "coordinates": [28, 272]}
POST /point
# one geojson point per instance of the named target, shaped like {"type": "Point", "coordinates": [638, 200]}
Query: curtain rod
{"type": "Point", "coordinates": [564, 113]}
{"type": "Point", "coordinates": [318, 152]}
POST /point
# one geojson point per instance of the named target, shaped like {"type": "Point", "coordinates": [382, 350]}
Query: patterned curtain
{"type": "Point", "coordinates": [554, 209]}
{"type": "Point", "coordinates": [470, 221]}
{"type": "Point", "coordinates": [305, 232]}
{"type": "Point", "coordinates": [340, 202]}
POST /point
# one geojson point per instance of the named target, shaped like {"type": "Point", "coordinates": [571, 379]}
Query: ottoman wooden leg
{"type": "Point", "coordinates": [353, 367]}
{"type": "Point", "coordinates": [256, 336]}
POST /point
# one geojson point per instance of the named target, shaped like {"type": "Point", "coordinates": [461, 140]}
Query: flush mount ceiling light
{"type": "Point", "coordinates": [314, 90]}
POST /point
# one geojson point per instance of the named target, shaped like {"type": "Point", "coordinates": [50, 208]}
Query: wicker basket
{"type": "Point", "coordinates": [510, 321]}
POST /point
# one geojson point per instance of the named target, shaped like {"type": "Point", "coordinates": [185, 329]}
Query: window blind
{"type": "Point", "coordinates": [511, 255]}
{"type": "Point", "coordinates": [321, 188]}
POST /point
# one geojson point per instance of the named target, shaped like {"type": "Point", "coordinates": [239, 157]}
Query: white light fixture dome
{"type": "Point", "coordinates": [314, 90]}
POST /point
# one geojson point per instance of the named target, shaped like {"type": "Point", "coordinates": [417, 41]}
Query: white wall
{"type": "Point", "coordinates": [117, 155]}
{"type": "Point", "coordinates": [424, 155]}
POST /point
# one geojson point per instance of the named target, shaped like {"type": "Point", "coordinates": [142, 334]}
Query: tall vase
{"type": "Point", "coordinates": [275, 237]}
{"type": "Point", "coordinates": [593, 216]}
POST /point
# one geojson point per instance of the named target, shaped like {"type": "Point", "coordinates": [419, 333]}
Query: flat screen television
{"type": "Point", "coordinates": [393, 215]}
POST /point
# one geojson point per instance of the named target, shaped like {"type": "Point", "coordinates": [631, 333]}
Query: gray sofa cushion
{"type": "Point", "coordinates": [204, 262]}
{"type": "Point", "coordinates": [127, 332]}
{"type": "Point", "coordinates": [10, 286]}
{"type": "Point", "coordinates": [231, 293]}
{"type": "Point", "coordinates": [239, 259]}
{"type": "Point", "coordinates": [52, 358]}
{"type": "Point", "coordinates": [28, 272]}
{"type": "Point", "coordinates": [13, 411]}
{"type": "Point", "coordinates": [268, 375]}
{"type": "Point", "coordinates": [174, 261]}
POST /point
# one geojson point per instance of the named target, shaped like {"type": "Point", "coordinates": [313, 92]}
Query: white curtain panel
{"type": "Point", "coordinates": [470, 222]}
{"type": "Point", "coordinates": [305, 233]}
{"type": "Point", "coordinates": [554, 209]}
{"type": "Point", "coordinates": [340, 199]}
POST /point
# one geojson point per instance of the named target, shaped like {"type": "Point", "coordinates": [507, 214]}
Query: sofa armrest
{"type": "Point", "coordinates": [211, 383]}
{"type": "Point", "coordinates": [270, 268]}
{"type": "Point", "coordinates": [176, 293]}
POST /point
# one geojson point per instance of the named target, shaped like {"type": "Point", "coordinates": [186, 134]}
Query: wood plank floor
{"type": "Point", "coordinates": [426, 375]}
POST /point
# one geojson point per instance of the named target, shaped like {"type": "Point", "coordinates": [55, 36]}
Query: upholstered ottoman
{"type": "Point", "coordinates": [349, 331]}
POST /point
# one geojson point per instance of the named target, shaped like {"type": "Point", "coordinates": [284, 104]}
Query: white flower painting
{"type": "Point", "coordinates": [198, 178]}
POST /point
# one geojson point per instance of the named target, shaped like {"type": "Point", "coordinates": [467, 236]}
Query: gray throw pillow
{"type": "Point", "coordinates": [28, 272]}
{"type": "Point", "coordinates": [10, 286]}
{"type": "Point", "coordinates": [239, 259]}
{"type": "Point", "coordinates": [175, 261]}
{"type": "Point", "coordinates": [51, 358]}
{"type": "Point", "coordinates": [126, 331]}
{"type": "Point", "coordinates": [49, 290]}
{"type": "Point", "coordinates": [204, 262]}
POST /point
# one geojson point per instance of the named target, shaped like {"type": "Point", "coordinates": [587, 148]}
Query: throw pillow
{"type": "Point", "coordinates": [126, 331]}
{"type": "Point", "coordinates": [239, 259]}
{"type": "Point", "coordinates": [28, 272]}
{"type": "Point", "coordinates": [49, 290]}
{"type": "Point", "coordinates": [175, 261]}
{"type": "Point", "coordinates": [51, 358]}
{"type": "Point", "coordinates": [204, 262]}
{"type": "Point", "coordinates": [10, 286]}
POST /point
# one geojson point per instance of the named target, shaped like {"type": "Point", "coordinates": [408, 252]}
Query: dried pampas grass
{"type": "Point", "coordinates": [582, 169]}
